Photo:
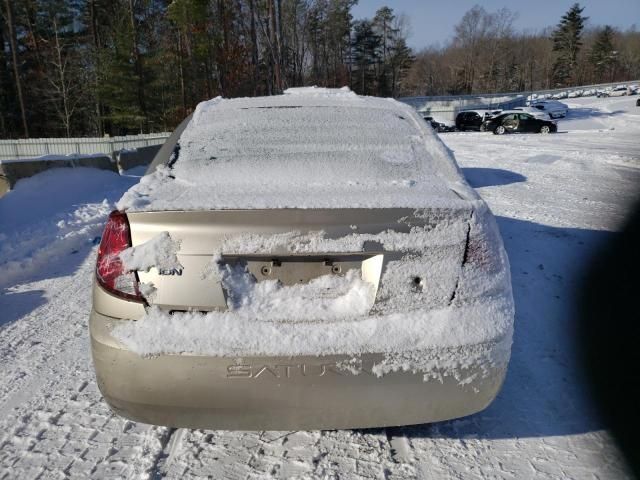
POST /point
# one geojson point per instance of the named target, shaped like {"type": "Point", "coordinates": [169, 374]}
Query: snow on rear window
{"type": "Point", "coordinates": [307, 149]}
{"type": "Point", "coordinates": [315, 144]}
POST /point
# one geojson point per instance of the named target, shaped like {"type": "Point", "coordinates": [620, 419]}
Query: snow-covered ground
{"type": "Point", "coordinates": [556, 198]}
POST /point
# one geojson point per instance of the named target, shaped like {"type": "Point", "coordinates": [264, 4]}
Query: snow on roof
{"type": "Point", "coordinates": [309, 148]}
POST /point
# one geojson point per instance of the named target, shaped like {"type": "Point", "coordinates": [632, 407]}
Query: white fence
{"type": "Point", "coordinates": [36, 147]}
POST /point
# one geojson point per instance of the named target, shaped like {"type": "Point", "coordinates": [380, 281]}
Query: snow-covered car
{"type": "Point", "coordinates": [313, 260]}
{"type": "Point", "coordinates": [575, 93]}
{"type": "Point", "coordinates": [619, 91]}
{"type": "Point", "coordinates": [553, 108]}
{"type": "Point", "coordinates": [559, 95]}
{"type": "Point", "coordinates": [519, 123]}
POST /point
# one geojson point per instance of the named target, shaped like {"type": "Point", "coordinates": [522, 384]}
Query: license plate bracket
{"type": "Point", "coordinates": [296, 269]}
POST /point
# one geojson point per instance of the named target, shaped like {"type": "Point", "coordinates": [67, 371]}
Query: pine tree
{"type": "Point", "coordinates": [603, 55]}
{"type": "Point", "coordinates": [119, 76]}
{"type": "Point", "coordinates": [566, 43]}
{"type": "Point", "coordinates": [366, 55]}
{"type": "Point", "coordinates": [384, 29]}
{"type": "Point", "coordinates": [400, 61]}
{"type": "Point", "coordinates": [395, 56]}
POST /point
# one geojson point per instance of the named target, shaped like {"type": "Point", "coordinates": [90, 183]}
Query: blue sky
{"type": "Point", "coordinates": [432, 21]}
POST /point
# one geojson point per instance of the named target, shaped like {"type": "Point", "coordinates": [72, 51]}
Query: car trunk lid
{"type": "Point", "coordinates": [413, 248]}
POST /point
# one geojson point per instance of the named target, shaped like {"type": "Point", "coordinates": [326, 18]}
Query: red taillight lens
{"type": "Point", "coordinates": [110, 271]}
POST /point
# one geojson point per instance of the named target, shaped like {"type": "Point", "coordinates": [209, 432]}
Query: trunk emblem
{"type": "Point", "coordinates": [170, 271]}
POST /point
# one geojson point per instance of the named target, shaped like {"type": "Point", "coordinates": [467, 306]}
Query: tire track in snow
{"type": "Point", "coordinates": [46, 339]}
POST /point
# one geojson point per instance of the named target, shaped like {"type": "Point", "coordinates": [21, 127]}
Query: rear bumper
{"type": "Point", "coordinates": [275, 393]}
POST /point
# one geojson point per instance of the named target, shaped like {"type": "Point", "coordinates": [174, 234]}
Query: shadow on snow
{"type": "Point", "coordinates": [544, 393]}
{"type": "Point", "coordinates": [487, 177]}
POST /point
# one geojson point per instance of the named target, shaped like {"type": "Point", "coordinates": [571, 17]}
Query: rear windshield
{"type": "Point", "coordinates": [315, 144]}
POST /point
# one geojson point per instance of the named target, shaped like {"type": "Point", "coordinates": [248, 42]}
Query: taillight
{"type": "Point", "coordinates": [485, 268]}
{"type": "Point", "coordinates": [110, 271]}
{"type": "Point", "coordinates": [478, 253]}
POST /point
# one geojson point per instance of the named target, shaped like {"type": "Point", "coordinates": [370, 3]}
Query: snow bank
{"type": "Point", "coordinates": [309, 148]}
{"type": "Point", "coordinates": [52, 215]}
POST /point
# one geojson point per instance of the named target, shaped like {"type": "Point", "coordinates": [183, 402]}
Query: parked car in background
{"type": "Point", "coordinates": [575, 93]}
{"type": "Point", "coordinates": [298, 283]}
{"type": "Point", "coordinates": [439, 125]}
{"type": "Point", "coordinates": [632, 90]}
{"type": "Point", "coordinates": [519, 123]}
{"type": "Point", "coordinates": [553, 108]}
{"type": "Point", "coordinates": [619, 91]}
{"type": "Point", "coordinates": [474, 119]}
{"type": "Point", "coordinates": [469, 120]}
{"type": "Point", "coordinates": [638, 102]}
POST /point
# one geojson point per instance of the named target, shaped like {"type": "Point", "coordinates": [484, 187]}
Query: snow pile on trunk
{"type": "Point", "coordinates": [310, 148]}
{"type": "Point", "coordinates": [448, 231]}
{"type": "Point", "coordinates": [159, 252]}
{"type": "Point", "coordinates": [329, 297]}
{"type": "Point", "coordinates": [417, 340]}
